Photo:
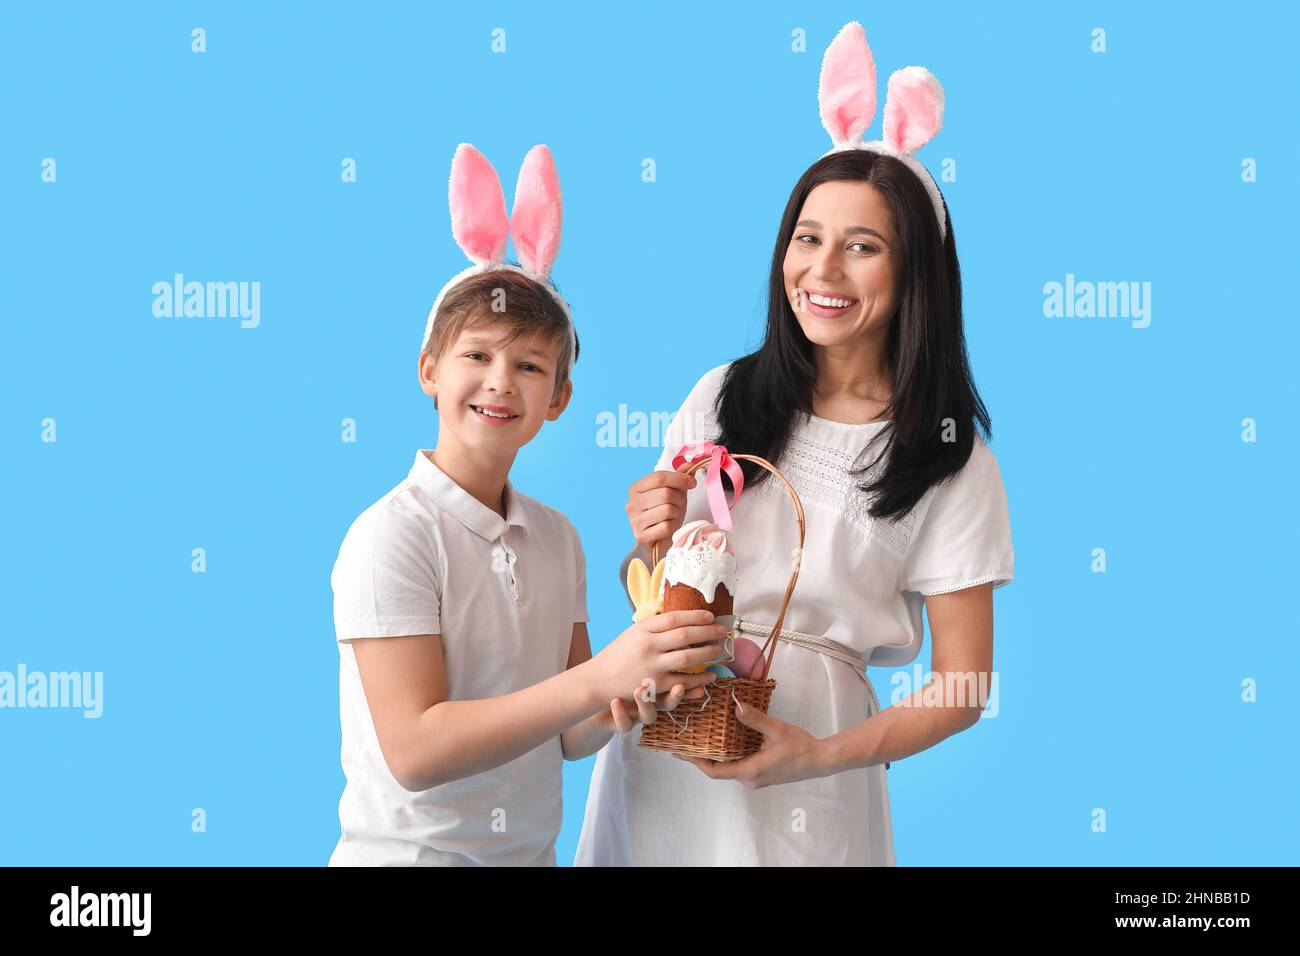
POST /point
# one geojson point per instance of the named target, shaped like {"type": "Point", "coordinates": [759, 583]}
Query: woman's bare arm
{"type": "Point", "coordinates": [961, 658]}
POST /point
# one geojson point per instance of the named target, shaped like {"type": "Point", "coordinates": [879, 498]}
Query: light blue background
{"type": "Point", "coordinates": [1118, 690]}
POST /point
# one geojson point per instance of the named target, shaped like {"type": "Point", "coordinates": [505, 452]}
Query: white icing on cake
{"type": "Point", "coordinates": [696, 561]}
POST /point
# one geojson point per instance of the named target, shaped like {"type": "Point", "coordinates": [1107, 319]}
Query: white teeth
{"type": "Point", "coordinates": [827, 302]}
{"type": "Point", "coordinates": [484, 411]}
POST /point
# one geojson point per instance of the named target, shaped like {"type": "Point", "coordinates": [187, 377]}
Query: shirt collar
{"type": "Point", "coordinates": [458, 502]}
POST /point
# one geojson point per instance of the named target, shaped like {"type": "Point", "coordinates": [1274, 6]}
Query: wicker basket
{"type": "Point", "coordinates": [708, 727]}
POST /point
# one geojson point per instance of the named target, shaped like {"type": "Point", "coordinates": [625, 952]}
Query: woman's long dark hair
{"type": "Point", "coordinates": [931, 381]}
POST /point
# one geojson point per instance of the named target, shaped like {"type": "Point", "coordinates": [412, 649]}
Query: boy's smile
{"type": "Point", "coordinates": [495, 414]}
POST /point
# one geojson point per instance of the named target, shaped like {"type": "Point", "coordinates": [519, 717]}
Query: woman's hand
{"type": "Point", "coordinates": [788, 754]}
{"type": "Point", "coordinates": [656, 506]}
{"type": "Point", "coordinates": [622, 716]}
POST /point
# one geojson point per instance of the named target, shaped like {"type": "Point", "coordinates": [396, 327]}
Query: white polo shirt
{"type": "Point", "coordinates": [504, 594]}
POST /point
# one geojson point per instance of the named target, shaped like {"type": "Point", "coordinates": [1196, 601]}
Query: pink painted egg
{"type": "Point", "coordinates": [749, 659]}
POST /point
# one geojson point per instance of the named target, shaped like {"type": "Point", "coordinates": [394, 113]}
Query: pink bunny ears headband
{"type": "Point", "coordinates": [480, 226]}
{"type": "Point", "coordinates": [913, 106]}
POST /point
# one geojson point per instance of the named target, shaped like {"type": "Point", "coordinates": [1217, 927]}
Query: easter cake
{"type": "Point", "coordinates": [700, 572]}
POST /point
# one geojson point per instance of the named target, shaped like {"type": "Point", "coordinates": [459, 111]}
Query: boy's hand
{"type": "Point", "coordinates": [657, 649]}
{"type": "Point", "coordinates": [623, 716]}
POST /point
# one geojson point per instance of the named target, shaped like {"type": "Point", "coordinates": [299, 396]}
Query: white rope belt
{"type": "Point", "coordinates": [822, 645]}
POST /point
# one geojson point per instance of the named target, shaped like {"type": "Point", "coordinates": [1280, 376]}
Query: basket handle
{"type": "Point", "coordinates": [769, 646]}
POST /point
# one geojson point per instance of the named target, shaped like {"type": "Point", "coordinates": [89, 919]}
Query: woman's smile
{"type": "Point", "coordinates": [826, 305]}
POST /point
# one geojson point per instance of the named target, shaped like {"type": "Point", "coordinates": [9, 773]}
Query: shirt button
{"type": "Point", "coordinates": [503, 562]}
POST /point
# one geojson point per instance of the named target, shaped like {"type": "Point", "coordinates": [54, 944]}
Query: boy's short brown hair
{"type": "Point", "coordinates": [514, 302]}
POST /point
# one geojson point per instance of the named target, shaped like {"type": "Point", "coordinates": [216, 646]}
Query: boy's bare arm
{"type": "Point", "coordinates": [428, 740]}
{"type": "Point", "coordinates": [590, 735]}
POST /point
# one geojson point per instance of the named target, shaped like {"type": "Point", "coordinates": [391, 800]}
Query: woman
{"type": "Point", "coordinates": [862, 396]}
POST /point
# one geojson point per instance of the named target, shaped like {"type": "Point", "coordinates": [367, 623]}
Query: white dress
{"type": "Point", "coordinates": [860, 583]}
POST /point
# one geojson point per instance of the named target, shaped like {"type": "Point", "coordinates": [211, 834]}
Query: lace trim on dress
{"type": "Point", "coordinates": [969, 584]}
{"type": "Point", "coordinates": [821, 473]}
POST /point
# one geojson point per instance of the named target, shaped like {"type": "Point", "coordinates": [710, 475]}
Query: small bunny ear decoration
{"type": "Point", "coordinates": [913, 109]}
{"type": "Point", "coordinates": [643, 588]}
{"type": "Point", "coordinates": [847, 90]}
{"type": "Point", "coordinates": [478, 207]}
{"type": "Point", "coordinates": [535, 221]}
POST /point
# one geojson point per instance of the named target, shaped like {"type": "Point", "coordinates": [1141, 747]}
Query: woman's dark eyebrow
{"type": "Point", "coordinates": [851, 231]}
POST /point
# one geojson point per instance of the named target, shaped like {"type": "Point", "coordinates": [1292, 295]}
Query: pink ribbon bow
{"type": "Point", "coordinates": [719, 461]}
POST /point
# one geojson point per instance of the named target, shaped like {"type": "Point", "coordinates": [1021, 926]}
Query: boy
{"type": "Point", "coordinates": [466, 674]}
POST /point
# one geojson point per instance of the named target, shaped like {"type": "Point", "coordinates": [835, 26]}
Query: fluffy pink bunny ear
{"type": "Point", "coordinates": [478, 207]}
{"type": "Point", "coordinates": [847, 90]}
{"type": "Point", "coordinates": [913, 109]}
{"type": "Point", "coordinates": [538, 211]}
